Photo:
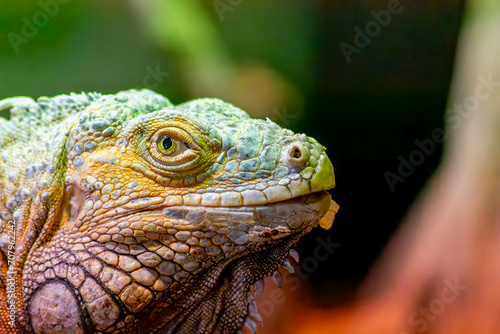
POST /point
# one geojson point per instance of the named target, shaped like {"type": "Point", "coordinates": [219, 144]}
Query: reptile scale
{"type": "Point", "coordinates": [126, 214]}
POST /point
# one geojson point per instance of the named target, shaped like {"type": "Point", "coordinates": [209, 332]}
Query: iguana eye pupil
{"type": "Point", "coordinates": [167, 143]}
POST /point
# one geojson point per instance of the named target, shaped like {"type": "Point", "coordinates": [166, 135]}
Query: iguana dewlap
{"type": "Point", "coordinates": [126, 214]}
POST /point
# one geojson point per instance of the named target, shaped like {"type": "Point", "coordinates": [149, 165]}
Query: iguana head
{"type": "Point", "coordinates": [176, 212]}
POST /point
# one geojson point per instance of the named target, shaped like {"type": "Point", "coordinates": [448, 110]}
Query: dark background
{"type": "Point", "coordinates": [279, 59]}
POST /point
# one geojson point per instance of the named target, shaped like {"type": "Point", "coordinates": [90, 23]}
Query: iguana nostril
{"type": "Point", "coordinates": [297, 155]}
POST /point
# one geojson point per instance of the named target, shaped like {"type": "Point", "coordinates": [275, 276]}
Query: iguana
{"type": "Point", "coordinates": [126, 214]}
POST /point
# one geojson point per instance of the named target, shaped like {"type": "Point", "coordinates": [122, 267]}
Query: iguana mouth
{"type": "Point", "coordinates": [256, 223]}
{"type": "Point", "coordinates": [260, 223]}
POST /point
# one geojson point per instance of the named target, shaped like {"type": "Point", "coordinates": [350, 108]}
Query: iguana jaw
{"type": "Point", "coordinates": [256, 223]}
{"type": "Point", "coordinates": [232, 283]}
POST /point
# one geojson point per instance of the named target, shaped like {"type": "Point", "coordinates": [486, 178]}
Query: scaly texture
{"type": "Point", "coordinates": [125, 214]}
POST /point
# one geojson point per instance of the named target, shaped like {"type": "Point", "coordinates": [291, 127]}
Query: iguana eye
{"type": "Point", "coordinates": [174, 148]}
{"type": "Point", "coordinates": [167, 145]}
{"type": "Point", "coordinates": [170, 143]}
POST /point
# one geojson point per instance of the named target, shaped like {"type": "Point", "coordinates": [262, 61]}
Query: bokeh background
{"type": "Point", "coordinates": [278, 59]}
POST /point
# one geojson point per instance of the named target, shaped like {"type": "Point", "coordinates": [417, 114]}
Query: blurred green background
{"type": "Point", "coordinates": [278, 59]}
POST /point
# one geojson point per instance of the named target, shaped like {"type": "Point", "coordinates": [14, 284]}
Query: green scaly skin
{"type": "Point", "coordinates": [126, 214]}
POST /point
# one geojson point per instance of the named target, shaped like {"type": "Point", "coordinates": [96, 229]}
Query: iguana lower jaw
{"type": "Point", "coordinates": [225, 292]}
